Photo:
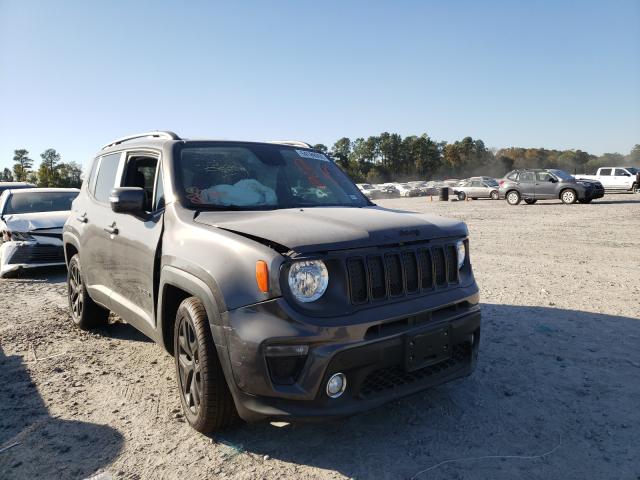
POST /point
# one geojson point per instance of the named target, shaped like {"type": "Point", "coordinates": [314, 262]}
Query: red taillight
{"type": "Point", "coordinates": [501, 182]}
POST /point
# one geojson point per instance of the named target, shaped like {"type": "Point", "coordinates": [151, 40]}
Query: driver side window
{"type": "Point", "coordinates": [140, 171]}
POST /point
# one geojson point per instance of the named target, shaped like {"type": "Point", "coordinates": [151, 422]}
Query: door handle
{"type": "Point", "coordinates": [112, 229]}
{"type": "Point", "coordinates": [82, 218]}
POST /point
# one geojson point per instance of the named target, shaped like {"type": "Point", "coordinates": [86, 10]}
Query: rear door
{"type": "Point", "coordinates": [545, 185]}
{"type": "Point", "coordinates": [527, 184]}
{"type": "Point", "coordinates": [605, 177]}
{"type": "Point", "coordinates": [96, 247]}
{"type": "Point", "coordinates": [136, 243]}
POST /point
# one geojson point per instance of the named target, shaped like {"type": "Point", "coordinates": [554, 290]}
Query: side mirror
{"type": "Point", "coordinates": [553, 180]}
{"type": "Point", "coordinates": [127, 200]}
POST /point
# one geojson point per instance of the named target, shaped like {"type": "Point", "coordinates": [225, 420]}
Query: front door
{"type": "Point", "coordinates": [621, 179]}
{"type": "Point", "coordinates": [136, 243]}
{"type": "Point", "coordinates": [545, 185]}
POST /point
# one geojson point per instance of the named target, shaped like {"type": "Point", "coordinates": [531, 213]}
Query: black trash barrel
{"type": "Point", "coordinates": [444, 194]}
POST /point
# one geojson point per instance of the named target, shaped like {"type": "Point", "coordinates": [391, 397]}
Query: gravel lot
{"type": "Point", "coordinates": [555, 394]}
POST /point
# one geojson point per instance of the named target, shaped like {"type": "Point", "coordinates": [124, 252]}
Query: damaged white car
{"type": "Point", "coordinates": [31, 222]}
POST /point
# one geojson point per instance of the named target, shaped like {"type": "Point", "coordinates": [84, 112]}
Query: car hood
{"type": "Point", "coordinates": [28, 222]}
{"type": "Point", "coordinates": [332, 228]}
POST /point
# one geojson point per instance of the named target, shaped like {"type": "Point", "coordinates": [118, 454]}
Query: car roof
{"type": "Point", "coordinates": [158, 139]}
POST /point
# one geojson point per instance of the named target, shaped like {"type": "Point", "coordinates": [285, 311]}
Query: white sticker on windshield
{"type": "Point", "coordinates": [314, 155]}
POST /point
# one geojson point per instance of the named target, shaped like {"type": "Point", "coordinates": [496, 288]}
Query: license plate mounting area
{"type": "Point", "coordinates": [427, 348]}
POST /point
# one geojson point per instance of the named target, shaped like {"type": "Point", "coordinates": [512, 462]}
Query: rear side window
{"type": "Point", "coordinates": [513, 176]}
{"type": "Point", "coordinates": [106, 178]}
{"type": "Point", "coordinates": [605, 171]}
{"type": "Point", "coordinates": [527, 177]}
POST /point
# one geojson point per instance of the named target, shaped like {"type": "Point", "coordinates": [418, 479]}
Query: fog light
{"type": "Point", "coordinates": [336, 385]}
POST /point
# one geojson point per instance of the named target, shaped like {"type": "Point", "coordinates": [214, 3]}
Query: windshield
{"type": "Point", "coordinates": [633, 170]}
{"type": "Point", "coordinates": [33, 202]}
{"type": "Point", "coordinates": [561, 174]}
{"type": "Point", "coordinates": [261, 177]}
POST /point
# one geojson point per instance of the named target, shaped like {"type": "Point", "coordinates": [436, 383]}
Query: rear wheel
{"type": "Point", "coordinates": [85, 313]}
{"type": "Point", "coordinates": [494, 195]}
{"type": "Point", "coordinates": [204, 393]}
{"type": "Point", "coordinates": [513, 197]}
{"type": "Point", "coordinates": [462, 196]}
{"type": "Point", "coordinates": [530, 201]}
{"type": "Point", "coordinates": [568, 196]}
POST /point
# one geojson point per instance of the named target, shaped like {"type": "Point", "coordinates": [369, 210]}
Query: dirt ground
{"type": "Point", "coordinates": [555, 394]}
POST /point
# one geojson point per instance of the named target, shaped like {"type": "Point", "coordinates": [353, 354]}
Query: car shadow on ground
{"type": "Point", "coordinates": [29, 436]}
{"type": "Point", "coordinates": [554, 396]}
{"type": "Point", "coordinates": [123, 331]}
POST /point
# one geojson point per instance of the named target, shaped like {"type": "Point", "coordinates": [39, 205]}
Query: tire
{"type": "Point", "coordinates": [494, 195]}
{"type": "Point", "coordinates": [206, 400]}
{"type": "Point", "coordinates": [585, 200]}
{"type": "Point", "coordinates": [462, 196]}
{"type": "Point", "coordinates": [513, 197]}
{"type": "Point", "coordinates": [530, 201]}
{"type": "Point", "coordinates": [568, 196]}
{"type": "Point", "coordinates": [85, 313]}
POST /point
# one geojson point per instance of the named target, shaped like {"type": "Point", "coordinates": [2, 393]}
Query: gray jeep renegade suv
{"type": "Point", "coordinates": [281, 291]}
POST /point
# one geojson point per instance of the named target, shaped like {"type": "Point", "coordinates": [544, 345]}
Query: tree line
{"type": "Point", "coordinates": [383, 158]}
{"type": "Point", "coordinates": [389, 157]}
{"type": "Point", "coordinates": [52, 171]}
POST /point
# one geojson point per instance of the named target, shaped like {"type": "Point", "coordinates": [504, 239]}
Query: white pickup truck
{"type": "Point", "coordinates": [616, 178]}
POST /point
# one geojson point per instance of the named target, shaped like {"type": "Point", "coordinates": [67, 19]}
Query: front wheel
{"type": "Point", "coordinates": [204, 393]}
{"type": "Point", "coordinates": [568, 196]}
{"type": "Point", "coordinates": [494, 195]}
{"type": "Point", "coordinates": [85, 313]}
{"type": "Point", "coordinates": [513, 197]}
{"type": "Point", "coordinates": [462, 196]}
{"type": "Point", "coordinates": [530, 201]}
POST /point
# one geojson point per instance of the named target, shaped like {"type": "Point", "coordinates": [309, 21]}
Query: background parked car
{"type": "Point", "coordinates": [532, 185]}
{"type": "Point", "coordinates": [389, 190]}
{"type": "Point", "coordinates": [369, 190]}
{"type": "Point", "coordinates": [14, 186]}
{"type": "Point", "coordinates": [476, 188]}
{"type": "Point", "coordinates": [626, 179]}
{"type": "Point", "coordinates": [407, 190]}
{"type": "Point", "coordinates": [31, 222]}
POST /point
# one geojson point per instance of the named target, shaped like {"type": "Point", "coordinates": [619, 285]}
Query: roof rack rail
{"type": "Point", "coordinates": [293, 143]}
{"type": "Point", "coordinates": [159, 134]}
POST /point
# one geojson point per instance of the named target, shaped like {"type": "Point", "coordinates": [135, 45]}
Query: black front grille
{"type": "Point", "coordinates": [403, 272]}
{"type": "Point", "coordinates": [35, 254]}
{"type": "Point", "coordinates": [394, 377]}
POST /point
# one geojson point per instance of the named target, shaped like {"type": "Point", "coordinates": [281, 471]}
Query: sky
{"type": "Point", "coordinates": [74, 75]}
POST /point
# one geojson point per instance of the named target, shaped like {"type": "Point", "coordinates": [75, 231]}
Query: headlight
{"type": "Point", "coordinates": [308, 280]}
{"type": "Point", "coordinates": [462, 253]}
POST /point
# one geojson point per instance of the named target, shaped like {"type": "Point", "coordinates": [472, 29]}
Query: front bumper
{"type": "Point", "coordinates": [17, 255]}
{"type": "Point", "coordinates": [369, 347]}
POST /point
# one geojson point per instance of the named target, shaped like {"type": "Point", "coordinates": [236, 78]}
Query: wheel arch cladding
{"type": "Point", "coordinates": [177, 285]}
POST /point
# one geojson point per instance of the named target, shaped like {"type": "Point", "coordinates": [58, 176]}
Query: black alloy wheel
{"type": "Point", "coordinates": [189, 369]}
